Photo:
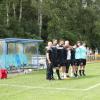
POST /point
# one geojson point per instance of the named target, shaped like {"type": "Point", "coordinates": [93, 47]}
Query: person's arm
{"type": "Point", "coordinates": [48, 58]}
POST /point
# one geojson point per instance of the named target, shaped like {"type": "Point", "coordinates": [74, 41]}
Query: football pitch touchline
{"type": "Point", "coordinates": [32, 87]}
{"type": "Point", "coordinates": [50, 88]}
{"type": "Point", "coordinates": [92, 87]}
{"type": "Point", "coordinates": [12, 94]}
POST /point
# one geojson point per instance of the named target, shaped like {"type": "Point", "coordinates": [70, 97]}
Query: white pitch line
{"type": "Point", "coordinates": [92, 87]}
{"type": "Point", "coordinates": [50, 88]}
{"type": "Point", "coordinates": [43, 88]}
{"type": "Point", "coordinates": [12, 94]}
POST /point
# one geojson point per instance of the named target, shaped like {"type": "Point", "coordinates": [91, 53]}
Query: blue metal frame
{"type": "Point", "coordinates": [11, 40]}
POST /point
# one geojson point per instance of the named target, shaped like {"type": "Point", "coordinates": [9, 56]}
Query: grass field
{"type": "Point", "coordinates": [35, 87]}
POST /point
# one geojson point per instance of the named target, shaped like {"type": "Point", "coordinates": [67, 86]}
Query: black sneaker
{"type": "Point", "coordinates": [68, 76]}
{"type": "Point", "coordinates": [59, 79]}
{"type": "Point", "coordinates": [75, 75]}
{"type": "Point", "coordinates": [53, 78]}
{"type": "Point", "coordinates": [84, 74]}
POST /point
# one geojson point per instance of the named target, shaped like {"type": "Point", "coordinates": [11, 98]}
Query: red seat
{"type": "Point", "coordinates": [3, 73]}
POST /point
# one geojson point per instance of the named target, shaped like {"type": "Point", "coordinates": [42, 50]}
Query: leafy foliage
{"type": "Point", "coordinates": [68, 19]}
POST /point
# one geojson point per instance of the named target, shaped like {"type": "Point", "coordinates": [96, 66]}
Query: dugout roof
{"type": "Point", "coordinates": [20, 40]}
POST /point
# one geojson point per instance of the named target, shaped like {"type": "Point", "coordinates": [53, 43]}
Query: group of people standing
{"type": "Point", "coordinates": [61, 55]}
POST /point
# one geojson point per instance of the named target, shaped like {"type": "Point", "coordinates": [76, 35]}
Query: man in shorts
{"type": "Point", "coordinates": [61, 58]}
{"type": "Point", "coordinates": [83, 59]}
{"type": "Point", "coordinates": [78, 57]}
{"type": "Point", "coordinates": [68, 57]}
{"type": "Point", "coordinates": [73, 70]}
{"type": "Point", "coordinates": [54, 62]}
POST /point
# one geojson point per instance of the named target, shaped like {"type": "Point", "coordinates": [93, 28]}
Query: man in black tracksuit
{"type": "Point", "coordinates": [49, 60]}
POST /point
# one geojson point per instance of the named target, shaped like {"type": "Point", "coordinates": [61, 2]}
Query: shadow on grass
{"type": "Point", "coordinates": [92, 76]}
{"type": "Point", "coordinates": [84, 77]}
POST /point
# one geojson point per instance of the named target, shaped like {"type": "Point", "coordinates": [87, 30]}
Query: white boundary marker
{"type": "Point", "coordinates": [92, 87]}
{"type": "Point", "coordinates": [50, 88]}
{"type": "Point", "coordinates": [12, 94]}
{"type": "Point", "coordinates": [43, 88]}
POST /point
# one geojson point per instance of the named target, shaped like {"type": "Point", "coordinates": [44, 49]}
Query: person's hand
{"type": "Point", "coordinates": [49, 62]}
{"type": "Point", "coordinates": [49, 65]}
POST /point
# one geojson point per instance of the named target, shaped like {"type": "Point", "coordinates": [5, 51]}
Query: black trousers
{"type": "Point", "coordinates": [49, 72]}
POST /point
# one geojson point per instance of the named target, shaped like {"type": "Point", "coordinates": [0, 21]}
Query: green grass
{"type": "Point", "coordinates": [35, 87]}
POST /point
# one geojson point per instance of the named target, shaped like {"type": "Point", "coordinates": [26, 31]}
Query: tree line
{"type": "Point", "coordinates": [46, 19]}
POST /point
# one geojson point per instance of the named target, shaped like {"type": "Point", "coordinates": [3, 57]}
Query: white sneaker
{"type": "Point", "coordinates": [72, 75]}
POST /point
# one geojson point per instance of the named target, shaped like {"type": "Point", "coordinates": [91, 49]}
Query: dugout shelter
{"type": "Point", "coordinates": [16, 52]}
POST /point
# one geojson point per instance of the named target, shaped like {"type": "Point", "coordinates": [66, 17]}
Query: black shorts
{"type": "Point", "coordinates": [83, 62]}
{"type": "Point", "coordinates": [77, 62]}
{"type": "Point", "coordinates": [61, 62]}
{"type": "Point", "coordinates": [72, 62]}
{"type": "Point", "coordinates": [54, 64]}
{"type": "Point", "coordinates": [68, 62]}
